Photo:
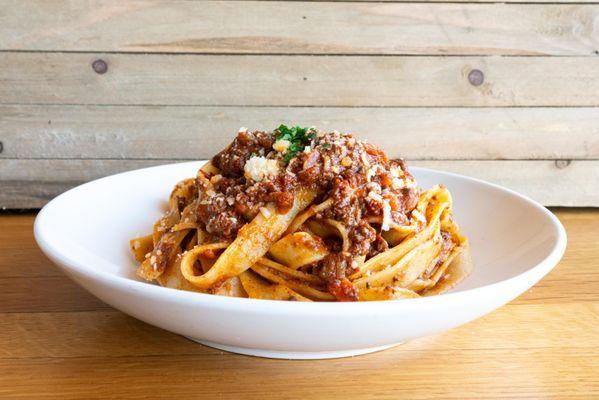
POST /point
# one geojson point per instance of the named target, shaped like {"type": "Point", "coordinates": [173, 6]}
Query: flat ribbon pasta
{"type": "Point", "coordinates": [299, 214]}
{"type": "Point", "coordinates": [251, 243]}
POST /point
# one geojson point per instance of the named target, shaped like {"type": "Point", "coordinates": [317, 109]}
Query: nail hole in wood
{"type": "Point", "coordinates": [100, 66]}
{"type": "Point", "coordinates": [476, 77]}
{"type": "Point", "coordinates": [561, 164]}
{"type": "Point", "coordinates": [305, 78]}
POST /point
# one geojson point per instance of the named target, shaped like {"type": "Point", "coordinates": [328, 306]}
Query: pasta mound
{"type": "Point", "coordinates": [305, 215]}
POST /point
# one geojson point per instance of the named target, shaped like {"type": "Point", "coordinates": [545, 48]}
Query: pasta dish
{"type": "Point", "coordinates": [305, 215]}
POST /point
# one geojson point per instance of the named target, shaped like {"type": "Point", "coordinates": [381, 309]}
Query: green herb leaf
{"type": "Point", "coordinates": [298, 136]}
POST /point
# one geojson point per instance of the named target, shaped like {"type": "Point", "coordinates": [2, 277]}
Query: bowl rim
{"type": "Point", "coordinates": [69, 263]}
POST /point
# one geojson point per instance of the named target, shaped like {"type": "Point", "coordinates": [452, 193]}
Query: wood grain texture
{"type": "Point", "coordinates": [552, 183]}
{"type": "Point", "coordinates": [162, 132]}
{"type": "Point", "coordinates": [157, 79]}
{"type": "Point", "coordinates": [34, 182]}
{"type": "Point", "coordinates": [22, 261]}
{"type": "Point", "coordinates": [126, 337]}
{"type": "Point", "coordinates": [396, 73]}
{"type": "Point", "coordinates": [300, 27]}
{"type": "Point", "coordinates": [33, 294]}
{"type": "Point", "coordinates": [401, 373]}
{"type": "Point", "coordinates": [542, 345]}
{"type": "Point", "coordinates": [443, 1]}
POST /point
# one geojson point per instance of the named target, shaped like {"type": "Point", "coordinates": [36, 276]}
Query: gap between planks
{"type": "Point", "coordinates": [204, 53]}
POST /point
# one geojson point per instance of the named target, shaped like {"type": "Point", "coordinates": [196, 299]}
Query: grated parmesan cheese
{"type": "Point", "coordinates": [375, 196]}
{"type": "Point", "coordinates": [281, 145]}
{"type": "Point", "coordinates": [153, 263]}
{"type": "Point", "coordinates": [327, 163]}
{"type": "Point", "coordinates": [260, 168]}
{"type": "Point", "coordinates": [374, 187]}
{"type": "Point", "coordinates": [418, 215]}
{"type": "Point", "coordinates": [398, 183]}
{"type": "Point", "coordinates": [410, 183]}
{"type": "Point", "coordinates": [386, 224]}
{"type": "Point", "coordinates": [364, 159]}
{"type": "Point", "coordinates": [371, 172]}
{"type": "Point", "coordinates": [397, 172]}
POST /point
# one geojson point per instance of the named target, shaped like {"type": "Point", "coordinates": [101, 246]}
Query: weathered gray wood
{"type": "Point", "coordinates": [141, 132]}
{"type": "Point", "coordinates": [552, 183]}
{"type": "Point", "coordinates": [58, 78]}
{"type": "Point", "coordinates": [299, 27]}
{"type": "Point", "coordinates": [448, 1]}
{"type": "Point", "coordinates": [31, 183]}
{"type": "Point", "coordinates": [210, 93]}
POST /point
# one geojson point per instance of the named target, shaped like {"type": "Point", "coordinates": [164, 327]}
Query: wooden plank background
{"type": "Point", "coordinates": [182, 76]}
{"type": "Point", "coordinates": [299, 27]}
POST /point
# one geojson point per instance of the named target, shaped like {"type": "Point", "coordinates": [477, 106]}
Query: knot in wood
{"type": "Point", "coordinates": [476, 77]}
{"type": "Point", "coordinates": [100, 66]}
{"type": "Point", "coordinates": [561, 164]}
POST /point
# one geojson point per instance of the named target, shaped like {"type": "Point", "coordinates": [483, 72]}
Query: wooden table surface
{"type": "Point", "coordinates": [57, 341]}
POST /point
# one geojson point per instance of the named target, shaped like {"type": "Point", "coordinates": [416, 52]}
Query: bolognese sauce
{"type": "Point", "coordinates": [369, 192]}
{"type": "Point", "coordinates": [306, 215]}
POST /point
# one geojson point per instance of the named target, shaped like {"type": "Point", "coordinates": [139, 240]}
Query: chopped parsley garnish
{"type": "Point", "coordinates": [298, 137]}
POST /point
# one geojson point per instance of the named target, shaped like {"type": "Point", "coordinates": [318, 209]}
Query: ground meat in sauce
{"type": "Point", "coordinates": [446, 248]}
{"type": "Point", "coordinates": [357, 176]}
{"type": "Point", "coordinates": [231, 160]}
{"type": "Point", "coordinates": [379, 245]}
{"type": "Point", "coordinates": [236, 200]}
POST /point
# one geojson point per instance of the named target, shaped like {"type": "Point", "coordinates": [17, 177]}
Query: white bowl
{"type": "Point", "coordinates": [85, 231]}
